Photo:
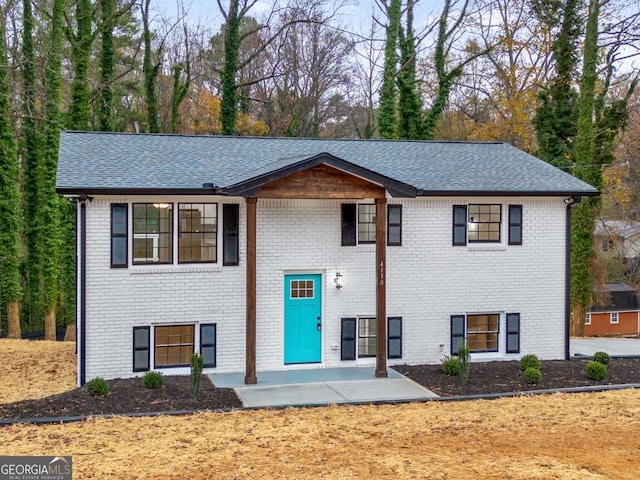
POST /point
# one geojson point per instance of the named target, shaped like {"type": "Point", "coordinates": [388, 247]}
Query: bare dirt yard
{"type": "Point", "coordinates": [559, 436]}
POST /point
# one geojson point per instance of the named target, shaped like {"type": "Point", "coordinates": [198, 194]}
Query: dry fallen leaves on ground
{"type": "Point", "coordinates": [35, 369]}
{"type": "Point", "coordinates": [560, 436]}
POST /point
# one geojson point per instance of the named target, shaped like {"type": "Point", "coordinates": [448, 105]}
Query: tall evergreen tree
{"type": "Point", "coordinates": [410, 104]}
{"type": "Point", "coordinates": [50, 237]}
{"type": "Point", "coordinates": [229, 102]}
{"type": "Point", "coordinates": [81, 44]}
{"type": "Point", "coordinates": [586, 212]}
{"type": "Point", "coordinates": [10, 290]}
{"type": "Point", "coordinates": [387, 118]}
{"type": "Point", "coordinates": [556, 117]}
{"type": "Point", "coordinates": [151, 71]}
{"type": "Point", "coordinates": [30, 152]}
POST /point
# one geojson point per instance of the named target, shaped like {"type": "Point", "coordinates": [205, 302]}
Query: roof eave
{"type": "Point", "coordinates": [505, 193]}
{"type": "Point", "coordinates": [79, 191]}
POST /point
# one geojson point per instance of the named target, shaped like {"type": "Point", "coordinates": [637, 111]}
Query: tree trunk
{"type": "Point", "coordinates": [13, 318]}
{"type": "Point", "coordinates": [50, 325]}
{"type": "Point", "coordinates": [70, 333]}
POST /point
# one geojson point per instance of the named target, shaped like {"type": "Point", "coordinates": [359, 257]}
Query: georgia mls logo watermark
{"type": "Point", "coordinates": [35, 468]}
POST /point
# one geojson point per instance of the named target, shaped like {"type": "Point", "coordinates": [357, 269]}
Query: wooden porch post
{"type": "Point", "coordinates": [250, 371]}
{"type": "Point", "coordinates": [381, 287]}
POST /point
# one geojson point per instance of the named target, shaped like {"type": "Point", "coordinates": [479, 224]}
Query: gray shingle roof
{"type": "Point", "coordinates": [93, 161]}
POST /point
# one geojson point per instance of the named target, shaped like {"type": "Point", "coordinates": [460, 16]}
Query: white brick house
{"type": "Point", "coordinates": [270, 254]}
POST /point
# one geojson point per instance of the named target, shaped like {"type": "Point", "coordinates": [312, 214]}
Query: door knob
{"type": "Point", "coordinates": [319, 326]}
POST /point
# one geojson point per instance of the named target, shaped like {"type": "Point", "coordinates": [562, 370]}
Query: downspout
{"type": "Point", "coordinates": [569, 202]}
{"type": "Point", "coordinates": [82, 266]}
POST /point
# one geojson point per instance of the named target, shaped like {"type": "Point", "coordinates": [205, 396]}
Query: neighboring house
{"type": "Point", "coordinates": [618, 239]}
{"type": "Point", "coordinates": [618, 315]}
{"type": "Point", "coordinates": [280, 253]}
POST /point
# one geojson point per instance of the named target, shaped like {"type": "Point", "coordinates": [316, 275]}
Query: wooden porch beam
{"type": "Point", "coordinates": [250, 352]}
{"type": "Point", "coordinates": [381, 287]}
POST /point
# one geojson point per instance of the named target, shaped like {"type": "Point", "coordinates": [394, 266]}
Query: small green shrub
{"type": "Point", "coordinates": [464, 354]}
{"type": "Point", "coordinates": [596, 370]}
{"type": "Point", "coordinates": [451, 366]}
{"type": "Point", "coordinates": [197, 364]}
{"type": "Point", "coordinates": [602, 357]}
{"type": "Point", "coordinates": [153, 380]}
{"type": "Point", "coordinates": [532, 375]}
{"type": "Point", "coordinates": [98, 387]}
{"type": "Point", "coordinates": [530, 361]}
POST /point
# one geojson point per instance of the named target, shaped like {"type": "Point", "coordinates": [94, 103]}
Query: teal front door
{"type": "Point", "coordinates": [302, 320]}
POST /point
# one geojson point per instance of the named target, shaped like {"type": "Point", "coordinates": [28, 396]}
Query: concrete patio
{"type": "Point", "coordinates": [322, 386]}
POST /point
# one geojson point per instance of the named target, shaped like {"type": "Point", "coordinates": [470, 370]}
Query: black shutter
{"type": "Point", "coordinates": [119, 227]}
{"type": "Point", "coordinates": [348, 224]}
{"type": "Point", "coordinates": [513, 333]}
{"type": "Point", "coordinates": [394, 337]}
{"type": "Point", "coordinates": [141, 347]}
{"type": "Point", "coordinates": [515, 224]}
{"type": "Point", "coordinates": [457, 333]}
{"type": "Point", "coordinates": [394, 225]}
{"type": "Point", "coordinates": [348, 337]}
{"type": "Point", "coordinates": [230, 234]}
{"type": "Point", "coordinates": [459, 225]}
{"type": "Point", "coordinates": [208, 344]}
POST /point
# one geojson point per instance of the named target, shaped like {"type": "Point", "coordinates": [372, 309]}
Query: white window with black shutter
{"type": "Point", "coordinates": [485, 333]}
{"type": "Point", "coordinates": [359, 338]}
{"type": "Point", "coordinates": [358, 224]}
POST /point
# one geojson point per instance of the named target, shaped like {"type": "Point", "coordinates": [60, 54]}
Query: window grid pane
{"type": "Point", "coordinates": [484, 222]}
{"type": "Point", "coordinates": [367, 337]}
{"type": "Point", "coordinates": [198, 228]}
{"type": "Point", "coordinates": [482, 332]}
{"type": "Point", "coordinates": [152, 233]}
{"type": "Point", "coordinates": [366, 223]}
{"type": "Point", "coordinates": [173, 345]}
{"type": "Point", "coordinates": [302, 288]}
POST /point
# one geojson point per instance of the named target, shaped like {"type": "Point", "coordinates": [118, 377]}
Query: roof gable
{"type": "Point", "coordinates": [338, 174]}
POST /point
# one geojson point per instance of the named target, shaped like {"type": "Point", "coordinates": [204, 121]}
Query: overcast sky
{"type": "Point", "coordinates": [356, 16]}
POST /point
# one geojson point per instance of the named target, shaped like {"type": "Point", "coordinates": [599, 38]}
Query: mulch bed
{"type": "Point", "coordinates": [502, 377]}
{"type": "Point", "coordinates": [130, 395]}
{"type": "Point", "coordinates": [126, 396]}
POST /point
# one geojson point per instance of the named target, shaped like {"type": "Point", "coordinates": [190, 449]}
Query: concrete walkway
{"type": "Point", "coordinates": [321, 386]}
{"type": "Point", "coordinates": [617, 347]}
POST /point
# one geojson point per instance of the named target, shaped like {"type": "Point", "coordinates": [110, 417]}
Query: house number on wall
{"type": "Point", "coordinates": [381, 273]}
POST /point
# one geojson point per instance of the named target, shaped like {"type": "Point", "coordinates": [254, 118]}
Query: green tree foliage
{"type": "Point", "coordinates": [578, 130]}
{"type": "Point", "coordinates": [229, 103]}
{"type": "Point", "coordinates": [410, 103]}
{"type": "Point", "coordinates": [388, 116]}
{"type": "Point", "coordinates": [557, 114]}
{"type": "Point", "coordinates": [31, 151]}
{"type": "Point", "coordinates": [81, 41]}
{"type": "Point", "coordinates": [50, 236]}
{"type": "Point", "coordinates": [10, 291]}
